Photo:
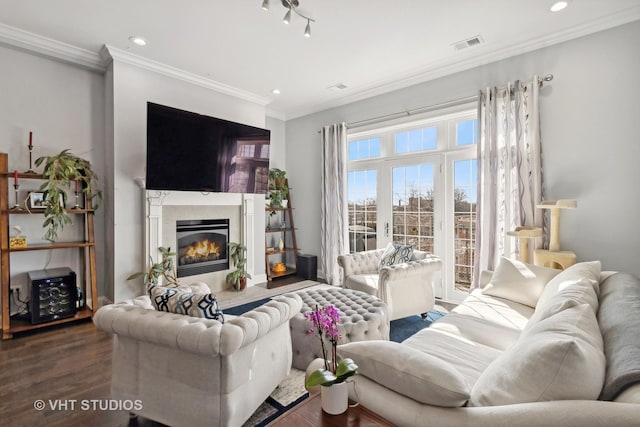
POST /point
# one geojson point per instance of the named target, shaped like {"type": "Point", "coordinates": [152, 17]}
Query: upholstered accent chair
{"type": "Point", "coordinates": [189, 371]}
{"type": "Point", "coordinates": [406, 288]}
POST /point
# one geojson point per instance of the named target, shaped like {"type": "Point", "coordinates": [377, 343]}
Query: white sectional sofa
{"type": "Point", "coordinates": [534, 347]}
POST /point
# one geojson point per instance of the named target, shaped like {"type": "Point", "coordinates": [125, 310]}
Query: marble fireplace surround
{"type": "Point", "coordinates": [246, 224]}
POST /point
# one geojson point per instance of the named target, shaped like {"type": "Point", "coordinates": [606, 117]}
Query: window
{"type": "Point", "coordinates": [364, 148]}
{"type": "Point", "coordinates": [415, 183]}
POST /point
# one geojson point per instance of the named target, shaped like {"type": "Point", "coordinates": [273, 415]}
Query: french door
{"type": "Point", "coordinates": [416, 184]}
{"type": "Point", "coordinates": [397, 201]}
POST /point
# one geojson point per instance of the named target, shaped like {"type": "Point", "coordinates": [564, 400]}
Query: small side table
{"type": "Point", "coordinates": [307, 266]}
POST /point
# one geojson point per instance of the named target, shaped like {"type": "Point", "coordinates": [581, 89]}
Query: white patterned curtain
{"type": "Point", "coordinates": [333, 215]}
{"type": "Point", "coordinates": [509, 170]}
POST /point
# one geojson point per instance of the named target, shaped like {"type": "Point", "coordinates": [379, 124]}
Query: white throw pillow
{"type": "Point", "coordinates": [396, 254]}
{"type": "Point", "coordinates": [560, 358]}
{"type": "Point", "coordinates": [516, 281]}
{"type": "Point", "coordinates": [408, 371]}
{"type": "Point", "coordinates": [579, 282]}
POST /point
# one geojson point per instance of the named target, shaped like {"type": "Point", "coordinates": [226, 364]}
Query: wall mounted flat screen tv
{"type": "Point", "coordinates": [191, 152]}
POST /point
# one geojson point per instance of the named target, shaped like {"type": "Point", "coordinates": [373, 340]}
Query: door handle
{"type": "Point", "coordinates": [386, 229]}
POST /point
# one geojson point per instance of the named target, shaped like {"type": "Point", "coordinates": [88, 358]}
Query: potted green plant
{"type": "Point", "coordinates": [165, 268]}
{"type": "Point", "coordinates": [238, 277]}
{"type": "Point", "coordinates": [59, 172]}
{"type": "Point", "coordinates": [277, 178]}
{"type": "Point", "coordinates": [278, 189]}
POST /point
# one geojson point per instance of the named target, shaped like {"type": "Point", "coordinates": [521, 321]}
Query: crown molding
{"type": "Point", "coordinates": [109, 53]}
{"type": "Point", "coordinates": [279, 115]}
{"type": "Point", "coordinates": [50, 48]}
{"type": "Point", "coordinates": [447, 67]}
{"type": "Point", "coordinates": [64, 52]}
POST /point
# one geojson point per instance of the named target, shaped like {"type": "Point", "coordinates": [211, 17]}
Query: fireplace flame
{"type": "Point", "coordinates": [203, 250]}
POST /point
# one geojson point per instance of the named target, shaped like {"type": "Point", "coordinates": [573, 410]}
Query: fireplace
{"type": "Point", "coordinates": [202, 246]}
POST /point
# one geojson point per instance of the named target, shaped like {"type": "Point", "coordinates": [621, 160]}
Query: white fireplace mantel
{"type": "Point", "coordinates": [251, 224]}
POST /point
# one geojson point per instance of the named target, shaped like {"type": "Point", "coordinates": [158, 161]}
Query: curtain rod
{"type": "Point", "coordinates": [452, 103]}
{"type": "Point", "coordinates": [406, 113]}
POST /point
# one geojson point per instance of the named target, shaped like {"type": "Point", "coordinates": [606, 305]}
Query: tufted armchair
{"type": "Point", "coordinates": [188, 371]}
{"type": "Point", "coordinates": [406, 288]}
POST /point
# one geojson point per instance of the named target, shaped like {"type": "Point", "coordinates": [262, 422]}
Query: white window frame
{"type": "Point", "coordinates": [445, 155]}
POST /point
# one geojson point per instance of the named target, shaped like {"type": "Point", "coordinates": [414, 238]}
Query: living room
{"type": "Point", "coordinates": [93, 101]}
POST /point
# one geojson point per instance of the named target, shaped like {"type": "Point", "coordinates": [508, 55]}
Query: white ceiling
{"type": "Point", "coordinates": [371, 46]}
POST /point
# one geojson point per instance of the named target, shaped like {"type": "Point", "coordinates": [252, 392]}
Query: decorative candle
{"type": "Point", "coordinates": [15, 177]}
{"type": "Point", "coordinates": [76, 185]}
{"type": "Point", "coordinates": [30, 140]}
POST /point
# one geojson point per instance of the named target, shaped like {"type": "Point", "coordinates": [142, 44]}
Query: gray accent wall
{"type": "Point", "coordinates": [590, 122]}
{"type": "Point", "coordinates": [63, 105]}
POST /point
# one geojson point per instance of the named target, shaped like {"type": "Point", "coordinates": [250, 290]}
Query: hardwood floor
{"type": "Point", "coordinates": [68, 364]}
{"type": "Point", "coordinates": [64, 364]}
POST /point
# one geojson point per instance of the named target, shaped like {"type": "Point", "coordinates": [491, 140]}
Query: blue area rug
{"type": "Point", "coordinates": [241, 309]}
{"type": "Point", "coordinates": [401, 329]}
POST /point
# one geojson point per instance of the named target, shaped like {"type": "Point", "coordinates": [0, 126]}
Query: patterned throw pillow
{"type": "Point", "coordinates": [173, 300]}
{"type": "Point", "coordinates": [396, 254]}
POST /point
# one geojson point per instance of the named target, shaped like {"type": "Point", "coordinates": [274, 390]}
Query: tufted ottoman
{"type": "Point", "coordinates": [363, 317]}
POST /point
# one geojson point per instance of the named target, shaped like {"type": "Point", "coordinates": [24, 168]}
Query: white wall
{"type": "Point", "coordinates": [132, 88]}
{"type": "Point", "coordinates": [277, 149]}
{"type": "Point", "coordinates": [63, 106]}
{"type": "Point", "coordinates": [590, 129]}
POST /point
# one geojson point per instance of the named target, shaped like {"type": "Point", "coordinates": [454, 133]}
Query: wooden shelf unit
{"type": "Point", "coordinates": [290, 253]}
{"type": "Point", "coordinates": [86, 248]}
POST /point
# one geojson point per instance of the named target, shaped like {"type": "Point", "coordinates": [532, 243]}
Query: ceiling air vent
{"type": "Point", "coordinates": [471, 42]}
{"type": "Point", "coordinates": [337, 87]}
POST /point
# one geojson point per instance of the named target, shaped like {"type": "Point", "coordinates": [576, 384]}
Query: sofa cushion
{"type": "Point", "coordinates": [470, 358]}
{"type": "Point", "coordinates": [560, 358]}
{"type": "Point", "coordinates": [477, 329]}
{"type": "Point", "coordinates": [573, 284]}
{"type": "Point", "coordinates": [396, 254]}
{"type": "Point", "coordinates": [363, 282]}
{"type": "Point", "coordinates": [410, 372]}
{"type": "Point", "coordinates": [501, 312]}
{"type": "Point", "coordinates": [175, 300]}
{"type": "Point", "coordinates": [516, 281]}
{"type": "Point", "coordinates": [569, 294]}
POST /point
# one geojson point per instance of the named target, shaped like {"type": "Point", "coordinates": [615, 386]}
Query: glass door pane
{"type": "Point", "coordinates": [413, 214]}
{"type": "Point", "coordinates": [362, 205]}
{"type": "Point", "coordinates": [464, 211]}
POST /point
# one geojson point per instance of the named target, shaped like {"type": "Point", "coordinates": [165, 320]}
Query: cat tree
{"type": "Point", "coordinates": [554, 257]}
{"type": "Point", "coordinates": [525, 235]}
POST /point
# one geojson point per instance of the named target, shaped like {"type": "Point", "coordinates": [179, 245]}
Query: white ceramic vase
{"type": "Point", "coordinates": [335, 398]}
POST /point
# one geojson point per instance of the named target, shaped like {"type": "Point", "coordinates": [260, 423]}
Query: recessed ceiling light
{"type": "Point", "coordinates": [138, 40]}
{"type": "Point", "coordinates": [558, 6]}
{"type": "Point", "coordinates": [275, 91]}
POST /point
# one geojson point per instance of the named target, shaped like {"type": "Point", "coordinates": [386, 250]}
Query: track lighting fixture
{"type": "Point", "coordinates": [292, 6]}
{"type": "Point", "coordinates": [307, 30]}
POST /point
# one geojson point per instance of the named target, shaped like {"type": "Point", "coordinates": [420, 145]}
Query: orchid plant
{"type": "Point", "coordinates": [325, 325]}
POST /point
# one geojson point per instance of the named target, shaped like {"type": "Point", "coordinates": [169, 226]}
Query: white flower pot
{"type": "Point", "coordinates": [285, 203]}
{"type": "Point", "coordinates": [335, 398]}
